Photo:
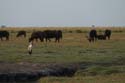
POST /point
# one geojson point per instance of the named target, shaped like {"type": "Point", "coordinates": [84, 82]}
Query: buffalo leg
{"type": "Point", "coordinates": [108, 37]}
{"type": "Point", "coordinates": [49, 39]}
{"type": "Point", "coordinates": [7, 38]}
{"type": "Point", "coordinates": [25, 35]}
{"type": "Point", "coordinates": [57, 40]}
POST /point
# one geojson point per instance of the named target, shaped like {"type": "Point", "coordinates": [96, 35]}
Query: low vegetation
{"type": "Point", "coordinates": [102, 61]}
{"type": "Point", "coordinates": [114, 78]}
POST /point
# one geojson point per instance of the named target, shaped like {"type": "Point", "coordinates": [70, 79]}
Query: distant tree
{"type": "Point", "coordinates": [3, 26]}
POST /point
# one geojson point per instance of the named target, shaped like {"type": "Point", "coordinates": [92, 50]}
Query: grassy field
{"type": "Point", "coordinates": [114, 78]}
{"type": "Point", "coordinates": [105, 57]}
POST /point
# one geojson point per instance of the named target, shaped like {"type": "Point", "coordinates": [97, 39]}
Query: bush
{"type": "Point", "coordinates": [79, 31]}
{"type": "Point", "coordinates": [70, 31]}
{"type": "Point", "coordinates": [118, 31]}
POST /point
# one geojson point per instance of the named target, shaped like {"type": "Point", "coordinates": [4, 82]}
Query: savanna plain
{"type": "Point", "coordinates": [104, 60]}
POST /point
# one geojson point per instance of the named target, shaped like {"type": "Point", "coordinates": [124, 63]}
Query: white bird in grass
{"type": "Point", "coordinates": [30, 47]}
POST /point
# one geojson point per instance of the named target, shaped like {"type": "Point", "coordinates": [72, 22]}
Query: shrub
{"type": "Point", "coordinates": [70, 31]}
{"type": "Point", "coordinates": [79, 31]}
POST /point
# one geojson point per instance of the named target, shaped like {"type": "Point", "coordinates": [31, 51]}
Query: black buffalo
{"type": "Point", "coordinates": [37, 35]}
{"type": "Point", "coordinates": [21, 33]}
{"type": "Point", "coordinates": [57, 34]}
{"type": "Point", "coordinates": [4, 34]}
{"type": "Point", "coordinates": [101, 37]}
{"type": "Point", "coordinates": [92, 35]}
{"type": "Point", "coordinates": [47, 35]}
{"type": "Point", "coordinates": [107, 33]}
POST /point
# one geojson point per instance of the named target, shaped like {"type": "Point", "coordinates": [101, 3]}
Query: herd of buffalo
{"type": "Point", "coordinates": [47, 35]}
{"type": "Point", "coordinates": [57, 34]}
{"type": "Point", "coordinates": [93, 36]}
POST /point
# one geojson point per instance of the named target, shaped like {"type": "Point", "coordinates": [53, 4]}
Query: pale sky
{"type": "Point", "coordinates": [62, 13]}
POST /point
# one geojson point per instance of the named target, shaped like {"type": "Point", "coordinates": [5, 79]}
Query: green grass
{"type": "Point", "coordinates": [100, 70]}
{"type": "Point", "coordinates": [114, 78]}
{"type": "Point", "coordinates": [73, 48]}
{"type": "Point", "coordinates": [106, 57]}
{"type": "Point", "coordinates": [102, 51]}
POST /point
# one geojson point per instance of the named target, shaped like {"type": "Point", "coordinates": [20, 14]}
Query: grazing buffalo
{"type": "Point", "coordinates": [21, 33]}
{"type": "Point", "coordinates": [4, 34]}
{"type": "Point", "coordinates": [37, 35]}
{"type": "Point", "coordinates": [107, 33]}
{"type": "Point", "coordinates": [101, 37]}
{"type": "Point", "coordinates": [92, 35]}
{"type": "Point", "coordinates": [57, 34]}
